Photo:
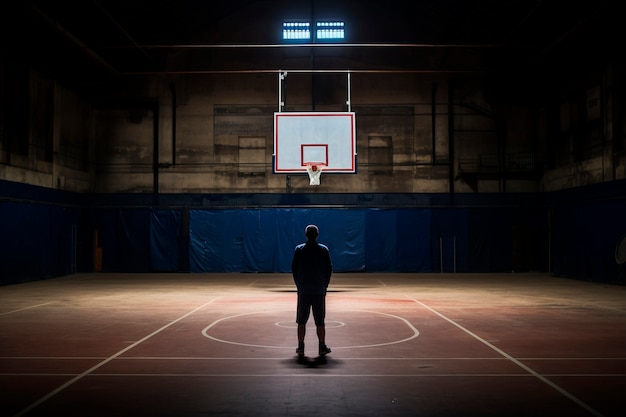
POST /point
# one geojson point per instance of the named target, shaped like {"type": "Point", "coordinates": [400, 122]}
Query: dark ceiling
{"type": "Point", "coordinates": [93, 38]}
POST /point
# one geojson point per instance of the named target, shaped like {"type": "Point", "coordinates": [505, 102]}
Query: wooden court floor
{"type": "Point", "coordinates": [224, 345]}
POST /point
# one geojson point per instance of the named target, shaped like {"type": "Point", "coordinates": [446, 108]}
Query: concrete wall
{"type": "Point", "coordinates": [46, 133]}
{"type": "Point", "coordinates": [213, 133]}
{"type": "Point", "coordinates": [223, 135]}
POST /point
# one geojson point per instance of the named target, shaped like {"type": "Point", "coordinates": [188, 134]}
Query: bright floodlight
{"type": "Point", "coordinates": [296, 31]}
{"type": "Point", "coordinates": [330, 31]}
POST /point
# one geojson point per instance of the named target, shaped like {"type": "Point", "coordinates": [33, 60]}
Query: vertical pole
{"type": "Point", "coordinates": [441, 254]}
{"type": "Point", "coordinates": [433, 123]}
{"type": "Point", "coordinates": [97, 253]}
{"type": "Point", "coordinates": [73, 248]}
{"type": "Point", "coordinates": [313, 33]}
{"type": "Point", "coordinates": [550, 241]}
{"type": "Point", "coordinates": [280, 91]}
{"type": "Point", "coordinates": [454, 248]}
{"type": "Point", "coordinates": [348, 102]}
{"type": "Point", "coordinates": [173, 90]}
{"type": "Point", "coordinates": [155, 151]}
{"type": "Point", "coordinates": [451, 139]}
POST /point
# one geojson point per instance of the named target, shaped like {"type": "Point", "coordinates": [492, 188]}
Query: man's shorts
{"type": "Point", "coordinates": [308, 302]}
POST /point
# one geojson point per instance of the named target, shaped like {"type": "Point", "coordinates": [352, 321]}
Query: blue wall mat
{"type": "Point", "coordinates": [287, 237]}
{"type": "Point", "coordinates": [260, 248]}
{"type": "Point", "coordinates": [413, 247]}
{"type": "Point", "coordinates": [398, 240]}
{"type": "Point", "coordinates": [36, 241]}
{"type": "Point", "coordinates": [46, 233]}
{"type": "Point", "coordinates": [381, 238]}
{"type": "Point", "coordinates": [125, 239]}
{"type": "Point", "coordinates": [449, 239]}
{"type": "Point", "coordinates": [489, 233]}
{"type": "Point", "coordinates": [342, 230]}
{"type": "Point", "coordinates": [165, 236]}
{"type": "Point", "coordinates": [263, 240]}
{"type": "Point", "coordinates": [584, 240]}
{"type": "Point", "coordinates": [216, 241]}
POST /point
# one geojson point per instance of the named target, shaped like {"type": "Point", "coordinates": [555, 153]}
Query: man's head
{"type": "Point", "coordinates": [311, 232]}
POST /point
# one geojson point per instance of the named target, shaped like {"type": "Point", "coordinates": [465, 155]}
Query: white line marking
{"type": "Point", "coordinates": [525, 375]}
{"type": "Point", "coordinates": [206, 334]}
{"type": "Point", "coordinates": [107, 360]}
{"type": "Point", "coordinates": [287, 374]}
{"type": "Point", "coordinates": [56, 358]}
{"type": "Point", "coordinates": [410, 326]}
{"type": "Point", "coordinates": [515, 361]}
{"type": "Point", "coordinates": [27, 308]}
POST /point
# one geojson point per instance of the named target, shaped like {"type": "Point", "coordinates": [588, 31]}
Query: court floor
{"type": "Point", "coordinates": [224, 345]}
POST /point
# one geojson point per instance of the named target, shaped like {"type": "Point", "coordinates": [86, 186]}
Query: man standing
{"type": "Point", "coordinates": [311, 268]}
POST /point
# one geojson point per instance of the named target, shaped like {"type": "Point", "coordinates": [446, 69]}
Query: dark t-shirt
{"type": "Point", "coordinates": [311, 268]}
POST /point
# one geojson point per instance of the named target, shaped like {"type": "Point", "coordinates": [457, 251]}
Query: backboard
{"type": "Point", "coordinates": [302, 139]}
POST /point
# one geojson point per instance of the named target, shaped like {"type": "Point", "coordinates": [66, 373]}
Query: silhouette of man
{"type": "Point", "coordinates": [311, 268]}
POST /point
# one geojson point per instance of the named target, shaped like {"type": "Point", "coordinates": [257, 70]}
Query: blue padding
{"type": "Point", "coordinates": [260, 249]}
{"type": "Point", "coordinates": [398, 240]}
{"type": "Point", "coordinates": [125, 240]}
{"type": "Point", "coordinates": [165, 240]}
{"type": "Point", "coordinates": [37, 241]}
{"type": "Point", "coordinates": [288, 237]}
{"type": "Point", "coordinates": [342, 230]}
{"type": "Point", "coordinates": [215, 239]}
{"type": "Point", "coordinates": [448, 240]}
{"type": "Point", "coordinates": [584, 240]}
{"type": "Point", "coordinates": [46, 233]}
{"type": "Point", "coordinates": [381, 239]}
{"type": "Point", "coordinates": [413, 248]}
{"type": "Point", "coordinates": [263, 240]}
{"type": "Point", "coordinates": [489, 232]}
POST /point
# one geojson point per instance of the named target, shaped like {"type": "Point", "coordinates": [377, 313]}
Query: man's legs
{"type": "Point", "coordinates": [319, 314]}
{"type": "Point", "coordinates": [303, 310]}
{"type": "Point", "coordinates": [321, 334]}
{"type": "Point", "coordinates": [305, 305]}
{"type": "Point", "coordinates": [301, 333]}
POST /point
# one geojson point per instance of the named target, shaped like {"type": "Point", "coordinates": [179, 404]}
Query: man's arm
{"type": "Point", "coordinates": [329, 267]}
{"type": "Point", "coordinates": [294, 265]}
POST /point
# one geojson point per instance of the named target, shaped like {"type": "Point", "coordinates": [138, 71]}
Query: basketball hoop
{"type": "Point", "coordinates": [314, 171]}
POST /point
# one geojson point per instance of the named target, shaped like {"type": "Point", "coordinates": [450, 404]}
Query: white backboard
{"type": "Point", "coordinates": [302, 138]}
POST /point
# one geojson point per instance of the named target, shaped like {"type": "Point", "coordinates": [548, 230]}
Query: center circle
{"type": "Point", "coordinates": [207, 331]}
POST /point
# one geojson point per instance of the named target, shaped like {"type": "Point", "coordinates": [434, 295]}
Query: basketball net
{"type": "Point", "coordinates": [314, 171]}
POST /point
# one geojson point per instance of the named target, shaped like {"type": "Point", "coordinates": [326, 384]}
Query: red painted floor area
{"type": "Point", "coordinates": [403, 345]}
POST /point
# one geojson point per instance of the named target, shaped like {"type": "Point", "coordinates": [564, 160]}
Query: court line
{"type": "Point", "coordinates": [107, 360]}
{"type": "Point", "coordinates": [205, 332]}
{"type": "Point", "coordinates": [174, 358]}
{"type": "Point", "coordinates": [420, 375]}
{"type": "Point", "coordinates": [27, 308]}
{"type": "Point", "coordinates": [358, 375]}
{"type": "Point", "coordinates": [515, 361]}
{"type": "Point", "coordinates": [55, 358]}
{"type": "Point", "coordinates": [287, 374]}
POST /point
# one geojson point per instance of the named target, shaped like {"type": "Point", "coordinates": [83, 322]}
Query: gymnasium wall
{"type": "Point", "coordinates": [40, 233]}
{"type": "Point", "coordinates": [48, 233]}
{"type": "Point", "coordinates": [587, 223]}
